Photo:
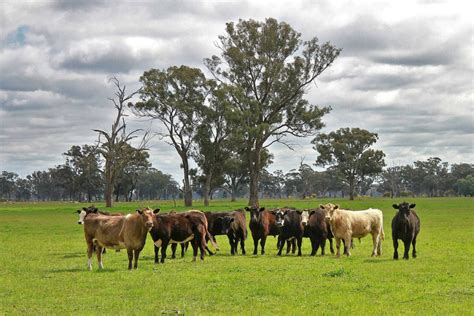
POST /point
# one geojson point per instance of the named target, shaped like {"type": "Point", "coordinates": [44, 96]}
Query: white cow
{"type": "Point", "coordinates": [355, 224]}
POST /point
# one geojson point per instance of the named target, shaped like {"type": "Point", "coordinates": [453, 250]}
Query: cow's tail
{"type": "Point", "coordinates": [382, 234]}
{"type": "Point", "coordinates": [213, 240]}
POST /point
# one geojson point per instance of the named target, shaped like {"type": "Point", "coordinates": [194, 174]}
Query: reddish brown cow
{"type": "Point", "coordinates": [117, 232]}
{"type": "Point", "coordinates": [262, 223]}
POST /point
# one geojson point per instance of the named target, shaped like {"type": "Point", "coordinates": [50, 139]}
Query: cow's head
{"type": "Point", "coordinates": [329, 209]}
{"type": "Point", "coordinates": [147, 215]}
{"type": "Point", "coordinates": [304, 217]}
{"type": "Point", "coordinates": [83, 213]}
{"type": "Point", "coordinates": [223, 223]}
{"type": "Point", "coordinates": [280, 216]}
{"type": "Point", "coordinates": [404, 208]}
{"type": "Point", "coordinates": [255, 212]}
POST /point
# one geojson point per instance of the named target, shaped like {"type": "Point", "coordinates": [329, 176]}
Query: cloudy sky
{"type": "Point", "coordinates": [405, 71]}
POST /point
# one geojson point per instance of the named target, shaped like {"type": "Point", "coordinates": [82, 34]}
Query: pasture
{"type": "Point", "coordinates": [43, 268]}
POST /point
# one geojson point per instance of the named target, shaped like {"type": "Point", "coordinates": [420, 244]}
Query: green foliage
{"type": "Point", "coordinates": [44, 271]}
{"type": "Point", "coordinates": [266, 69]}
{"type": "Point", "coordinates": [348, 150]}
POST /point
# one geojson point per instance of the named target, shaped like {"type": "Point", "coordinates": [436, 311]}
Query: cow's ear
{"type": "Point", "coordinates": [336, 206]}
{"type": "Point", "coordinates": [219, 218]}
{"type": "Point", "coordinates": [247, 209]}
{"type": "Point", "coordinates": [412, 205]}
{"type": "Point", "coordinates": [85, 209]}
{"type": "Point", "coordinates": [231, 220]}
{"type": "Point", "coordinates": [261, 209]}
{"type": "Point", "coordinates": [139, 211]}
{"type": "Point", "coordinates": [78, 211]}
{"type": "Point", "coordinates": [395, 206]}
{"type": "Point", "coordinates": [312, 212]}
{"type": "Point", "coordinates": [285, 212]}
{"type": "Point", "coordinates": [156, 211]}
{"type": "Point", "coordinates": [299, 212]}
{"type": "Point", "coordinates": [321, 206]}
{"type": "Point", "coordinates": [273, 212]}
{"type": "Point", "coordinates": [95, 210]}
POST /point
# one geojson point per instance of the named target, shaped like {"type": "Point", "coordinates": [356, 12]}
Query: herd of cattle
{"type": "Point", "coordinates": [117, 231]}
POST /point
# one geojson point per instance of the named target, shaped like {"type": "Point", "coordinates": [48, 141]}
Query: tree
{"type": "Point", "coordinates": [392, 180]}
{"type": "Point", "coordinates": [114, 146]}
{"type": "Point", "coordinates": [212, 146]}
{"type": "Point", "coordinates": [235, 176]}
{"type": "Point", "coordinates": [466, 186]}
{"type": "Point", "coordinates": [174, 97]}
{"type": "Point", "coordinates": [84, 162]}
{"type": "Point", "coordinates": [267, 69]}
{"type": "Point", "coordinates": [348, 149]}
{"type": "Point", "coordinates": [7, 184]}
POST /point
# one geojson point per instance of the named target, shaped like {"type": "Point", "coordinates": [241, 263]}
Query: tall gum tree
{"type": "Point", "coordinates": [348, 151]}
{"type": "Point", "coordinates": [267, 70]}
{"type": "Point", "coordinates": [174, 97]}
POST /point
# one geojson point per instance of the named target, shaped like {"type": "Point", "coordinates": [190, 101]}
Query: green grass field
{"type": "Point", "coordinates": [43, 269]}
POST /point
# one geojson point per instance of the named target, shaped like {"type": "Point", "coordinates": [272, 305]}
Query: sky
{"type": "Point", "coordinates": [405, 72]}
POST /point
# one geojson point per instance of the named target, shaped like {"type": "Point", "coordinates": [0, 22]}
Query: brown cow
{"type": "Point", "coordinates": [117, 232]}
{"type": "Point", "coordinates": [180, 228]}
{"type": "Point", "coordinates": [232, 223]}
{"type": "Point", "coordinates": [262, 223]}
{"type": "Point", "coordinates": [317, 230]}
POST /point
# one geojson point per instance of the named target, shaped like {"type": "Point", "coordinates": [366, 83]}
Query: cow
{"type": "Point", "coordinates": [291, 224]}
{"type": "Point", "coordinates": [348, 224]}
{"type": "Point", "coordinates": [233, 224]}
{"type": "Point", "coordinates": [117, 232]}
{"type": "Point", "coordinates": [92, 209]}
{"type": "Point", "coordinates": [174, 246]}
{"type": "Point", "coordinates": [317, 230]}
{"type": "Point", "coordinates": [180, 228]}
{"type": "Point", "coordinates": [262, 223]}
{"type": "Point", "coordinates": [405, 226]}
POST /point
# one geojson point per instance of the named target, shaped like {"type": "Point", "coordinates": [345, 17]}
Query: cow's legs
{"type": "Point", "coordinates": [184, 247]}
{"type": "Point", "coordinates": [293, 246]}
{"type": "Point", "coordinates": [331, 246]}
{"type": "Point", "coordinates": [202, 245]}
{"type": "Point", "coordinates": [407, 249]}
{"type": "Point", "coordinates": [347, 246]}
{"type": "Point", "coordinates": [288, 246]}
{"type": "Point", "coordinates": [130, 258]}
{"type": "Point", "coordinates": [375, 241]}
{"type": "Point", "coordinates": [338, 247]}
{"type": "Point", "coordinates": [90, 247]}
{"type": "Point", "coordinates": [262, 244]}
{"type": "Point", "coordinates": [157, 249]}
{"type": "Point", "coordinates": [173, 250]}
{"type": "Point", "coordinates": [282, 244]}
{"type": "Point", "coordinates": [164, 246]}
{"type": "Point", "coordinates": [413, 254]}
{"type": "Point", "coordinates": [313, 246]}
{"type": "Point", "coordinates": [195, 248]}
{"type": "Point", "coordinates": [98, 251]}
{"type": "Point", "coordinates": [395, 247]}
{"type": "Point", "coordinates": [299, 241]}
{"type": "Point", "coordinates": [232, 246]}
{"type": "Point", "coordinates": [136, 253]}
{"type": "Point", "coordinates": [242, 244]}
{"type": "Point", "coordinates": [255, 245]}
{"type": "Point", "coordinates": [379, 245]}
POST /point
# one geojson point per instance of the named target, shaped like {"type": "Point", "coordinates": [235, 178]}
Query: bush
{"type": "Point", "coordinates": [406, 194]}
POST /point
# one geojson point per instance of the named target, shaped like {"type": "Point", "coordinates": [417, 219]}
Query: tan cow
{"type": "Point", "coordinates": [117, 232]}
{"type": "Point", "coordinates": [346, 225]}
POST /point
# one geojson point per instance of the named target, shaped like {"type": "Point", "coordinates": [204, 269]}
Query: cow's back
{"type": "Point", "coordinates": [364, 222]}
{"type": "Point", "coordinates": [105, 229]}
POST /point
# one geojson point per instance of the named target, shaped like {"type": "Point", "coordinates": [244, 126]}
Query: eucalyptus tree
{"type": "Point", "coordinates": [348, 150]}
{"type": "Point", "coordinates": [267, 69]}
{"type": "Point", "coordinates": [175, 97]}
{"type": "Point", "coordinates": [114, 146]}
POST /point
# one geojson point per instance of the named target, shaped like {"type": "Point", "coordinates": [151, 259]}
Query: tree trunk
{"type": "Point", "coordinates": [254, 169]}
{"type": "Point", "coordinates": [351, 190]}
{"type": "Point", "coordinates": [188, 193]}
{"type": "Point", "coordinates": [207, 189]}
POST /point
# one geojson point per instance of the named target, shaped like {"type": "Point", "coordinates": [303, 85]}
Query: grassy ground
{"type": "Point", "coordinates": [43, 269]}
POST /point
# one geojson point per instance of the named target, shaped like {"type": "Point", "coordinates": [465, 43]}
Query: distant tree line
{"type": "Point", "coordinates": [80, 179]}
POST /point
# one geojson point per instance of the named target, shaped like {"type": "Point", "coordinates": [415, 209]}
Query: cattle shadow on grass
{"type": "Point", "coordinates": [377, 260]}
{"type": "Point", "coordinates": [80, 269]}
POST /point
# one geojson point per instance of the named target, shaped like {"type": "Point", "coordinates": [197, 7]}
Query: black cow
{"type": "Point", "coordinates": [405, 226]}
{"type": "Point", "coordinates": [233, 224]}
{"type": "Point", "coordinates": [291, 225]}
